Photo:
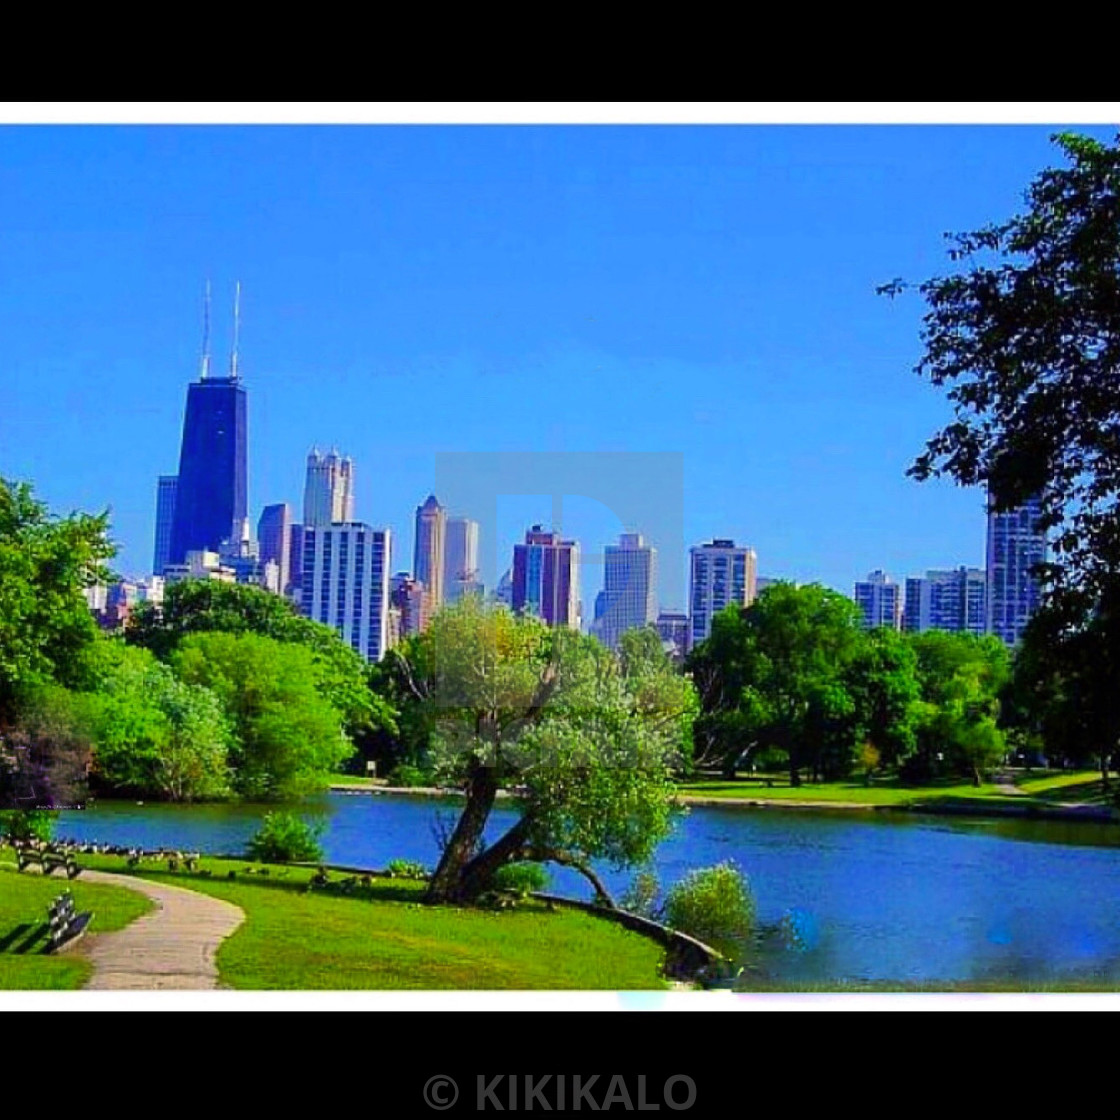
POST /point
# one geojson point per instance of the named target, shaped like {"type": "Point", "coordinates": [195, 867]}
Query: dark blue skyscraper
{"type": "Point", "coordinates": [211, 499]}
{"type": "Point", "coordinates": [165, 519]}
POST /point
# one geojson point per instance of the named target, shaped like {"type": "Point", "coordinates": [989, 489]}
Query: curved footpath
{"type": "Point", "coordinates": [171, 947]}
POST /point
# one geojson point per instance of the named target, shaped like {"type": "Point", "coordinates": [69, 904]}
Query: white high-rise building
{"type": "Point", "coordinates": [946, 599]}
{"type": "Point", "coordinates": [460, 558]}
{"type": "Point", "coordinates": [328, 495]}
{"type": "Point", "coordinates": [629, 588]}
{"type": "Point", "coordinates": [1015, 547]}
{"type": "Point", "coordinates": [346, 583]}
{"type": "Point", "coordinates": [880, 599]}
{"type": "Point", "coordinates": [722, 574]}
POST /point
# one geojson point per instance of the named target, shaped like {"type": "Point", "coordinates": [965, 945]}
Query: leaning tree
{"type": "Point", "coordinates": [581, 740]}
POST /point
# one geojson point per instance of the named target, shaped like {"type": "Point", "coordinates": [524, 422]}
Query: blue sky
{"type": "Point", "coordinates": [700, 295]}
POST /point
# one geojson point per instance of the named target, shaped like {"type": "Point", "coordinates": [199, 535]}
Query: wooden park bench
{"type": "Point", "coordinates": [66, 924]}
{"type": "Point", "coordinates": [47, 861]}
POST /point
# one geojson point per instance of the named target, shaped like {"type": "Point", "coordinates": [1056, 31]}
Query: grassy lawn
{"type": "Point", "coordinates": [23, 926]}
{"type": "Point", "coordinates": [1037, 789]}
{"type": "Point", "coordinates": [359, 781]}
{"type": "Point", "coordinates": [384, 937]}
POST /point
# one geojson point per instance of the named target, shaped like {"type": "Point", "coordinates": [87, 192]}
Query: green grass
{"type": "Point", "coordinates": [1036, 790]}
{"type": "Point", "coordinates": [24, 899]}
{"type": "Point", "coordinates": [384, 937]}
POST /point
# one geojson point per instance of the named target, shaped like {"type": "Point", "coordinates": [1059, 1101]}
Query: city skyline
{"type": "Point", "coordinates": [774, 240]}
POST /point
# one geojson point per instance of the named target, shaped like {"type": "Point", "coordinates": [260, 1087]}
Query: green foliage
{"type": "Point", "coordinates": [46, 563]}
{"type": "Point", "coordinates": [156, 735]}
{"type": "Point", "coordinates": [289, 738]}
{"type": "Point", "coordinates": [210, 606]}
{"type": "Point", "coordinates": [406, 869]}
{"type": "Point", "coordinates": [584, 741]}
{"type": "Point", "coordinates": [286, 838]}
{"type": "Point", "coordinates": [642, 896]}
{"type": "Point", "coordinates": [713, 904]}
{"type": "Point", "coordinates": [520, 878]}
{"type": "Point", "coordinates": [408, 776]}
{"type": "Point", "coordinates": [27, 824]}
{"type": "Point", "coordinates": [1023, 335]}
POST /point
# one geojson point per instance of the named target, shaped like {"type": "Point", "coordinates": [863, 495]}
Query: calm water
{"type": "Point", "coordinates": [904, 898]}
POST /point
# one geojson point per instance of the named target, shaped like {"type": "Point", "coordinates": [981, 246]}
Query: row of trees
{"type": "Point", "coordinates": [795, 680]}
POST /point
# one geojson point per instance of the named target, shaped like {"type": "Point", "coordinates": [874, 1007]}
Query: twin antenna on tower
{"type": "Point", "coordinates": [204, 373]}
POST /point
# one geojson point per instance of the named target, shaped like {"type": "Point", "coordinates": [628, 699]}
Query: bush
{"type": "Point", "coordinates": [713, 904]}
{"type": "Point", "coordinates": [405, 774]}
{"type": "Point", "coordinates": [520, 878]}
{"type": "Point", "coordinates": [406, 869]}
{"type": "Point", "coordinates": [284, 838]}
{"type": "Point", "coordinates": [641, 897]}
{"type": "Point", "coordinates": [27, 824]}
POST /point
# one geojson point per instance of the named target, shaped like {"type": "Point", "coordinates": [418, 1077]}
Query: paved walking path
{"type": "Point", "coordinates": [171, 947]}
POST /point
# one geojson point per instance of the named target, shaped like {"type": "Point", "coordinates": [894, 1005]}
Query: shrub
{"type": "Point", "coordinates": [406, 869]}
{"type": "Point", "coordinates": [27, 824]}
{"type": "Point", "coordinates": [284, 838]}
{"type": "Point", "coordinates": [641, 897]}
{"type": "Point", "coordinates": [520, 878]}
{"type": "Point", "coordinates": [405, 774]}
{"type": "Point", "coordinates": [713, 904]}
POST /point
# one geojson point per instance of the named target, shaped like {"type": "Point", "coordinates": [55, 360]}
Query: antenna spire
{"type": "Point", "coordinates": [204, 372]}
{"type": "Point", "coordinates": [236, 330]}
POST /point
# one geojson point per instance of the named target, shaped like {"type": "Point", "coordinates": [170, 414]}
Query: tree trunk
{"type": "Point", "coordinates": [976, 777]}
{"type": "Point", "coordinates": [476, 875]}
{"type": "Point", "coordinates": [482, 788]}
{"type": "Point", "coordinates": [1104, 769]}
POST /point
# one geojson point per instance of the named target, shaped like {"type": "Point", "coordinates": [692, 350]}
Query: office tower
{"type": "Point", "coordinates": [165, 517]}
{"type": "Point", "coordinates": [880, 599]}
{"type": "Point", "coordinates": [722, 574]}
{"type": "Point", "coordinates": [411, 599]}
{"type": "Point", "coordinates": [672, 628]}
{"type": "Point", "coordinates": [345, 583]}
{"type": "Point", "coordinates": [328, 494]}
{"type": "Point", "coordinates": [211, 497]}
{"type": "Point", "coordinates": [629, 588]}
{"type": "Point", "coordinates": [274, 536]}
{"type": "Point", "coordinates": [946, 599]}
{"type": "Point", "coordinates": [430, 552]}
{"type": "Point", "coordinates": [295, 563]}
{"type": "Point", "coordinates": [460, 558]}
{"type": "Point", "coordinates": [1015, 547]}
{"type": "Point", "coordinates": [546, 578]}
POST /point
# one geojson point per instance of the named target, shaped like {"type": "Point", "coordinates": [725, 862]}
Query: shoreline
{"type": "Point", "coordinates": [1095, 814]}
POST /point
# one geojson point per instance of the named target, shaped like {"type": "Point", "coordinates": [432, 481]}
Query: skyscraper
{"type": "Point", "coordinates": [722, 573]}
{"type": "Point", "coordinates": [880, 599]}
{"type": "Point", "coordinates": [1015, 547]}
{"type": "Point", "coordinates": [629, 588]}
{"type": "Point", "coordinates": [345, 583]}
{"type": "Point", "coordinates": [546, 578]}
{"type": "Point", "coordinates": [328, 494]}
{"type": "Point", "coordinates": [429, 553]}
{"type": "Point", "coordinates": [212, 494]}
{"type": "Point", "coordinates": [946, 599]}
{"type": "Point", "coordinates": [411, 599]}
{"type": "Point", "coordinates": [165, 518]}
{"type": "Point", "coordinates": [460, 558]}
{"type": "Point", "coordinates": [274, 532]}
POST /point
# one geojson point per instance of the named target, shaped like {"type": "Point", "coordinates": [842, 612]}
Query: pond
{"type": "Point", "coordinates": [874, 897]}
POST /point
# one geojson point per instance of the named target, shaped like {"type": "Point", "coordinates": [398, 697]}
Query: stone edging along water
{"type": "Point", "coordinates": [1098, 814]}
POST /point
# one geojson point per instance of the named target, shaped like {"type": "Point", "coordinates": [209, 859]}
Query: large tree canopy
{"type": "Point", "coordinates": [46, 563]}
{"type": "Point", "coordinates": [583, 741]}
{"type": "Point", "coordinates": [1026, 335]}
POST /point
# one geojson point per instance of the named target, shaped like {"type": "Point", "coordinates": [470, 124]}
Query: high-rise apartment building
{"type": "Point", "coordinates": [880, 599]}
{"type": "Point", "coordinates": [345, 583]}
{"type": "Point", "coordinates": [546, 578]}
{"type": "Point", "coordinates": [946, 599]}
{"type": "Point", "coordinates": [460, 558]}
{"type": "Point", "coordinates": [165, 517]}
{"type": "Point", "coordinates": [328, 493]}
{"type": "Point", "coordinates": [629, 588]}
{"type": "Point", "coordinates": [413, 603]}
{"type": "Point", "coordinates": [722, 573]}
{"type": "Point", "coordinates": [672, 628]}
{"type": "Point", "coordinates": [274, 533]}
{"type": "Point", "coordinates": [1015, 547]}
{"type": "Point", "coordinates": [430, 549]}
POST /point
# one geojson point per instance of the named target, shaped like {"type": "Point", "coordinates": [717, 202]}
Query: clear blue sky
{"type": "Point", "coordinates": [704, 292]}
